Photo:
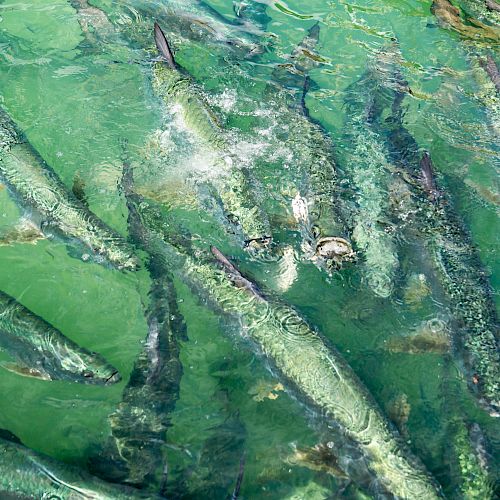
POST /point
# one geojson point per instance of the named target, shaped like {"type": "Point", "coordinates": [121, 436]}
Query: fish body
{"type": "Point", "coordinates": [44, 352]}
{"type": "Point", "coordinates": [475, 481]}
{"type": "Point", "coordinates": [368, 168]}
{"type": "Point", "coordinates": [456, 261]}
{"type": "Point", "coordinates": [310, 186]}
{"type": "Point", "coordinates": [318, 373]}
{"type": "Point", "coordinates": [37, 187]}
{"type": "Point", "coordinates": [28, 475]}
{"type": "Point", "coordinates": [234, 185]}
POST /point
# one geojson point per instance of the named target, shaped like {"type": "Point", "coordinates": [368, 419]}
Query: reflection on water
{"type": "Point", "coordinates": [326, 157]}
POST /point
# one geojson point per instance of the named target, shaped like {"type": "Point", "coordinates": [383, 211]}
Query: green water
{"type": "Point", "coordinates": [76, 103]}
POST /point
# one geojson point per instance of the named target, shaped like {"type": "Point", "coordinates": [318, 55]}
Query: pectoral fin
{"type": "Point", "coordinates": [24, 371]}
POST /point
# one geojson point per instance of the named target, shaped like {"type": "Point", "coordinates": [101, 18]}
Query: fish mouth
{"type": "Point", "coordinates": [113, 378]}
{"type": "Point", "coordinates": [260, 243]}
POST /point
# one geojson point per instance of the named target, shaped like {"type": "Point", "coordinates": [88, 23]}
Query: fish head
{"type": "Point", "coordinates": [332, 251]}
{"type": "Point", "coordinates": [256, 245]}
{"type": "Point", "coordinates": [97, 370]}
{"type": "Point", "coordinates": [80, 365]}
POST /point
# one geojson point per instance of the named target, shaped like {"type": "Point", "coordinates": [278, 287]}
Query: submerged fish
{"type": "Point", "coordinates": [234, 187]}
{"type": "Point", "coordinates": [455, 259]}
{"type": "Point", "coordinates": [309, 184]}
{"type": "Point", "coordinates": [37, 187]}
{"type": "Point", "coordinates": [475, 481]}
{"type": "Point", "coordinates": [27, 474]}
{"type": "Point", "coordinates": [191, 20]}
{"type": "Point", "coordinates": [367, 166]}
{"type": "Point", "coordinates": [450, 17]}
{"type": "Point", "coordinates": [42, 351]}
{"type": "Point", "coordinates": [134, 453]}
{"type": "Point", "coordinates": [317, 373]}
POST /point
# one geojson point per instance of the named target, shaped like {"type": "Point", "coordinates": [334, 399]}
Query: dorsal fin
{"type": "Point", "coordinates": [313, 32]}
{"type": "Point", "coordinates": [234, 273]}
{"type": "Point", "coordinates": [163, 46]}
{"type": "Point", "coordinates": [427, 173]}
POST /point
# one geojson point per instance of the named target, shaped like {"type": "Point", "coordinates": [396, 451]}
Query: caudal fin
{"type": "Point", "coordinates": [163, 46]}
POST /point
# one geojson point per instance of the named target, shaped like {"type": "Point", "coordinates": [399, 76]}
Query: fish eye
{"type": "Point", "coordinates": [88, 373]}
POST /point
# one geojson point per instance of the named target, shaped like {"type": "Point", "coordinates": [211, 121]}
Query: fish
{"type": "Point", "coordinates": [311, 186]}
{"type": "Point", "coordinates": [193, 21]}
{"type": "Point", "coordinates": [38, 188]}
{"type": "Point", "coordinates": [466, 446]}
{"type": "Point", "coordinates": [134, 452]}
{"type": "Point", "coordinates": [28, 474]}
{"type": "Point", "coordinates": [455, 260]}
{"type": "Point", "coordinates": [475, 480]}
{"type": "Point", "coordinates": [367, 165]}
{"type": "Point", "coordinates": [316, 372]}
{"type": "Point", "coordinates": [42, 351]}
{"type": "Point", "coordinates": [234, 186]}
{"type": "Point", "coordinates": [474, 30]}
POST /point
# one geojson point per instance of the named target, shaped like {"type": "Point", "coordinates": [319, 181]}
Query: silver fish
{"type": "Point", "coordinates": [42, 351]}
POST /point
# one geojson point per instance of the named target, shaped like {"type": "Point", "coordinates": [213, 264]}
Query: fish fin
{"type": "Point", "coordinates": [24, 371]}
{"type": "Point", "coordinates": [78, 189]}
{"type": "Point", "coordinates": [9, 436]}
{"type": "Point", "coordinates": [313, 32]}
{"type": "Point", "coordinates": [234, 273]}
{"type": "Point", "coordinates": [25, 231]}
{"type": "Point", "coordinates": [305, 90]}
{"type": "Point", "coordinates": [163, 46]}
{"type": "Point", "coordinates": [427, 171]}
{"type": "Point", "coordinates": [239, 479]}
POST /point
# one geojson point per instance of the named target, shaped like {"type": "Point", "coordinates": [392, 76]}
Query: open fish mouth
{"type": "Point", "coordinates": [257, 244]}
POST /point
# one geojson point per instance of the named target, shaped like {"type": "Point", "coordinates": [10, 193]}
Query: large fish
{"type": "Point", "coordinates": [317, 372]}
{"type": "Point", "coordinates": [455, 259]}
{"type": "Point", "coordinates": [234, 185]}
{"type": "Point", "coordinates": [368, 168]}
{"type": "Point", "coordinates": [308, 184]}
{"type": "Point", "coordinates": [29, 475]}
{"type": "Point", "coordinates": [134, 452]}
{"type": "Point", "coordinates": [36, 186]}
{"type": "Point", "coordinates": [42, 351]}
